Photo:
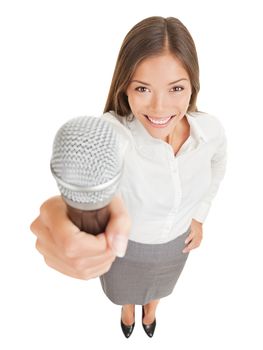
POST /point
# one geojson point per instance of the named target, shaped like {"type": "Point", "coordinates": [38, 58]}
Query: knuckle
{"type": "Point", "coordinates": [43, 208]}
{"type": "Point", "coordinates": [34, 226]}
{"type": "Point", "coordinates": [48, 206]}
{"type": "Point", "coordinates": [37, 245]}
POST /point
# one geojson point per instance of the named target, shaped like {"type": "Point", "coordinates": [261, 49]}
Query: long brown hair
{"type": "Point", "coordinates": [150, 37]}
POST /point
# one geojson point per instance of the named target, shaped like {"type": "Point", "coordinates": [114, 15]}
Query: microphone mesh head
{"type": "Point", "coordinates": [86, 160]}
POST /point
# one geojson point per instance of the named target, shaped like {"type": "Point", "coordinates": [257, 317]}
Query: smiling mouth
{"type": "Point", "coordinates": [159, 121]}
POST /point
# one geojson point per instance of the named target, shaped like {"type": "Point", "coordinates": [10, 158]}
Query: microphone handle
{"type": "Point", "coordinates": [90, 221]}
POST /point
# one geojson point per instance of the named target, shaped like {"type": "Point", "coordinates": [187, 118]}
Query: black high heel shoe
{"type": "Point", "coordinates": [127, 330]}
{"type": "Point", "coordinates": [149, 328]}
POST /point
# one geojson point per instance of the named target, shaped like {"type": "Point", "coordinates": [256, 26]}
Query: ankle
{"type": "Point", "coordinates": [148, 312]}
{"type": "Point", "coordinates": [127, 316]}
{"type": "Point", "coordinates": [128, 307]}
{"type": "Point", "coordinates": [150, 308]}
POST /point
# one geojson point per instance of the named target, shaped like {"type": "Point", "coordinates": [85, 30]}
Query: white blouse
{"type": "Point", "coordinates": [163, 192]}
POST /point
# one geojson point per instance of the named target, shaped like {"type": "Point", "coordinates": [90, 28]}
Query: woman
{"type": "Point", "coordinates": [175, 159]}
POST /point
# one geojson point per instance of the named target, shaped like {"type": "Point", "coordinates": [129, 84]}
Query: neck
{"type": "Point", "coordinates": [180, 130]}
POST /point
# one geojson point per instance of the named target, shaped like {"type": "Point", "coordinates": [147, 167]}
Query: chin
{"type": "Point", "coordinates": [159, 133]}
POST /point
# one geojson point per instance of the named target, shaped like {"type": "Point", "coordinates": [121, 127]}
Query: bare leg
{"type": "Point", "coordinates": [128, 314]}
{"type": "Point", "coordinates": [149, 311]}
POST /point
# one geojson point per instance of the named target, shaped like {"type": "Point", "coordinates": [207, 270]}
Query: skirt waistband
{"type": "Point", "coordinates": [157, 253]}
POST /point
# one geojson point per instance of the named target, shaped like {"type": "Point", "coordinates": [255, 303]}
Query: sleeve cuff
{"type": "Point", "coordinates": [201, 212]}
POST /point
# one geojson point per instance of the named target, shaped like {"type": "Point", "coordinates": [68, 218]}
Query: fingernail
{"type": "Point", "coordinates": [119, 245]}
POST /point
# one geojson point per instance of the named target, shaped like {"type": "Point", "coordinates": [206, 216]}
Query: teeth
{"type": "Point", "coordinates": [159, 121]}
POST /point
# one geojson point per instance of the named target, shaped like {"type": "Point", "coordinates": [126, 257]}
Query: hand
{"type": "Point", "coordinates": [195, 237]}
{"type": "Point", "coordinates": [75, 253]}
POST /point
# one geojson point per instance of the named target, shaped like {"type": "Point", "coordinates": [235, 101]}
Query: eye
{"type": "Point", "coordinates": [178, 88]}
{"type": "Point", "coordinates": [141, 88]}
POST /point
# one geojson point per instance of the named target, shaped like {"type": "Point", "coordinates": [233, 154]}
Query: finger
{"type": "Point", "coordinates": [85, 244]}
{"type": "Point", "coordinates": [60, 267]}
{"type": "Point", "coordinates": [97, 271]}
{"type": "Point", "coordinates": [78, 245]}
{"type": "Point", "coordinates": [50, 251]}
{"type": "Point", "coordinates": [118, 229]}
{"type": "Point", "coordinates": [36, 225]}
{"type": "Point", "coordinates": [189, 237]}
{"type": "Point", "coordinates": [65, 234]}
{"type": "Point", "coordinates": [193, 244]}
{"type": "Point", "coordinates": [45, 243]}
{"type": "Point", "coordinates": [88, 273]}
{"type": "Point", "coordinates": [46, 246]}
{"type": "Point", "coordinates": [53, 214]}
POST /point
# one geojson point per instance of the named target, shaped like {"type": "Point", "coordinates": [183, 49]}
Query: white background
{"type": "Point", "coordinates": [57, 60]}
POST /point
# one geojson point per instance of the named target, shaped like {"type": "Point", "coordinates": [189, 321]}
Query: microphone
{"type": "Point", "coordinates": [87, 165]}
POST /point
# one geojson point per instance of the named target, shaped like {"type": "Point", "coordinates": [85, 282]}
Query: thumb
{"type": "Point", "coordinates": [189, 237]}
{"type": "Point", "coordinates": [118, 228]}
{"type": "Point", "coordinates": [117, 233]}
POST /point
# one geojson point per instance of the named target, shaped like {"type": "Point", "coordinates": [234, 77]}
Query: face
{"type": "Point", "coordinates": [159, 94]}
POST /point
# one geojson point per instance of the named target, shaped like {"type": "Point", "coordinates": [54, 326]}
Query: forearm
{"type": "Point", "coordinates": [218, 169]}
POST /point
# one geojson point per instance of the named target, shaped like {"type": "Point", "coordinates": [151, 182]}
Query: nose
{"type": "Point", "coordinates": [158, 104]}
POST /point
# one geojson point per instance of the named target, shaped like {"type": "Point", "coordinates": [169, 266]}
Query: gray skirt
{"type": "Point", "coordinates": [146, 272]}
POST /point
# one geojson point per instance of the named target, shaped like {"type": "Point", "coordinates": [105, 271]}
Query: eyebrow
{"type": "Point", "coordinates": [141, 82]}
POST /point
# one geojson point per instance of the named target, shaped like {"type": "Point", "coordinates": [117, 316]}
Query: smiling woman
{"type": "Point", "coordinates": [153, 94]}
{"type": "Point", "coordinates": [174, 160]}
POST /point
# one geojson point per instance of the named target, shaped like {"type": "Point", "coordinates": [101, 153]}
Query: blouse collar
{"type": "Point", "coordinates": [143, 137]}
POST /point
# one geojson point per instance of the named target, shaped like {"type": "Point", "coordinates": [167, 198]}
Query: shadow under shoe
{"type": "Point", "coordinates": [127, 330]}
{"type": "Point", "coordinates": [148, 328]}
